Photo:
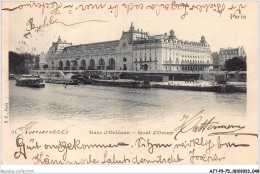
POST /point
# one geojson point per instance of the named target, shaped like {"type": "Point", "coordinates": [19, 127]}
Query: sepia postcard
{"type": "Point", "coordinates": [130, 82]}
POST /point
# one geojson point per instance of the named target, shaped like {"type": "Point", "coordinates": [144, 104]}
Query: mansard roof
{"type": "Point", "coordinates": [127, 35]}
{"type": "Point", "coordinates": [161, 38]}
{"type": "Point", "coordinates": [98, 45]}
{"type": "Point", "coordinates": [228, 49]}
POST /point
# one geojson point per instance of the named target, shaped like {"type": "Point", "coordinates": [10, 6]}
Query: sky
{"type": "Point", "coordinates": [219, 30]}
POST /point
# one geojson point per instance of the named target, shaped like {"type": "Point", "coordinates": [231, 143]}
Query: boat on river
{"type": "Point", "coordinates": [209, 88]}
{"type": "Point", "coordinates": [121, 83]}
{"type": "Point", "coordinates": [58, 77]}
{"type": "Point", "coordinates": [30, 81]}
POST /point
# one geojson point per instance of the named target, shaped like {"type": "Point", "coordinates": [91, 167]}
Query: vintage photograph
{"type": "Point", "coordinates": [130, 82]}
{"type": "Point", "coordinates": [137, 76]}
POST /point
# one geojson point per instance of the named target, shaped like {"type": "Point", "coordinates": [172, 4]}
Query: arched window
{"type": "Point", "coordinates": [92, 64]}
{"type": "Point", "coordinates": [60, 65]}
{"type": "Point", "coordinates": [67, 64]}
{"type": "Point", "coordinates": [112, 64]}
{"type": "Point", "coordinates": [52, 65]}
{"type": "Point", "coordinates": [101, 64]}
{"type": "Point", "coordinates": [75, 63]}
{"type": "Point", "coordinates": [83, 63]}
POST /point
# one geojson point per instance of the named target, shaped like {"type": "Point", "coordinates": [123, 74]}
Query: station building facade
{"type": "Point", "coordinates": [136, 50]}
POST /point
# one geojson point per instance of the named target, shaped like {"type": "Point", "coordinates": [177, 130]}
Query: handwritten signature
{"type": "Point", "coordinates": [196, 124]}
{"type": "Point", "coordinates": [50, 21]}
{"type": "Point", "coordinates": [57, 8]}
{"type": "Point", "coordinates": [28, 129]}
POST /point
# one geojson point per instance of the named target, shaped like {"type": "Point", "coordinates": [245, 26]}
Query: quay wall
{"type": "Point", "coordinates": [233, 76]}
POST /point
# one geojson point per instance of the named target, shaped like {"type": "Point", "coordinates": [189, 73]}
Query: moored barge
{"type": "Point", "coordinates": [121, 83]}
{"type": "Point", "coordinates": [30, 81]}
{"type": "Point", "coordinates": [58, 77]}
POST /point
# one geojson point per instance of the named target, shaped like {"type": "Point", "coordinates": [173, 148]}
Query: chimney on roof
{"type": "Point", "coordinates": [132, 28]}
{"type": "Point", "coordinates": [203, 40]}
{"type": "Point", "coordinates": [59, 39]}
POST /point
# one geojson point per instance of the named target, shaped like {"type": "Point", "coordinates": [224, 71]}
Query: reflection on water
{"type": "Point", "coordinates": [86, 102]}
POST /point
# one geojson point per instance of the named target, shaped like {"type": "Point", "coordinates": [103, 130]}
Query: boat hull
{"type": "Point", "coordinates": [66, 82]}
{"type": "Point", "coordinates": [118, 83]}
{"type": "Point", "coordinates": [34, 83]}
{"type": "Point", "coordinates": [58, 77]}
{"type": "Point", "coordinates": [191, 88]}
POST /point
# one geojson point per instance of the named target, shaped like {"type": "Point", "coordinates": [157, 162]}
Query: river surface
{"type": "Point", "coordinates": [94, 103]}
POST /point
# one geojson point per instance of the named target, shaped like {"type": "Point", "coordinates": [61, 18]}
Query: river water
{"type": "Point", "coordinates": [95, 103]}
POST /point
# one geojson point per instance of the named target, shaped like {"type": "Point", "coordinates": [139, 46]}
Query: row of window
{"type": "Point", "coordinates": [184, 61]}
{"type": "Point", "coordinates": [92, 65]}
{"type": "Point", "coordinates": [176, 53]}
{"type": "Point", "coordinates": [192, 61]}
{"type": "Point", "coordinates": [170, 49]}
{"type": "Point", "coordinates": [146, 67]}
{"type": "Point", "coordinates": [227, 56]}
{"type": "Point", "coordinates": [144, 53]}
{"type": "Point", "coordinates": [145, 59]}
{"type": "Point", "coordinates": [91, 62]}
{"type": "Point", "coordinates": [189, 56]}
{"type": "Point", "coordinates": [181, 44]}
{"type": "Point", "coordinates": [184, 56]}
{"type": "Point", "coordinates": [228, 52]}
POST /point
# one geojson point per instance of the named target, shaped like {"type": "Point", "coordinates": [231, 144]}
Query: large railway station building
{"type": "Point", "coordinates": [136, 50]}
